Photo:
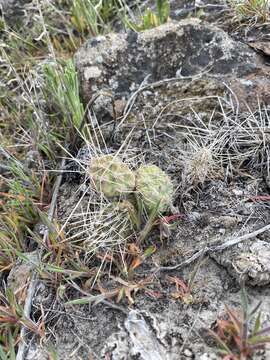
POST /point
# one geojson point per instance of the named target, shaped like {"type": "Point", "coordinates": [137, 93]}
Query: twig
{"type": "Point", "coordinates": [239, 239]}
{"type": "Point", "coordinates": [26, 314]}
{"type": "Point", "coordinates": [33, 282]}
{"type": "Point", "coordinates": [194, 257]}
{"type": "Point", "coordinates": [115, 307]}
{"type": "Point", "coordinates": [102, 301]}
{"type": "Point", "coordinates": [207, 250]}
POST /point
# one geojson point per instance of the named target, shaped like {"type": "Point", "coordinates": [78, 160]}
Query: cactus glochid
{"type": "Point", "coordinates": [111, 176]}
{"type": "Point", "coordinates": [154, 187]}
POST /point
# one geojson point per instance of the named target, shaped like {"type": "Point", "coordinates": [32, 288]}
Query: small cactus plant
{"type": "Point", "coordinates": [154, 187]}
{"type": "Point", "coordinates": [111, 176]}
{"type": "Point", "coordinates": [107, 228]}
{"type": "Point", "coordinates": [124, 212]}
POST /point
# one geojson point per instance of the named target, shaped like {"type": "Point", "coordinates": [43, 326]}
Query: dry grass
{"type": "Point", "coordinates": [38, 120]}
{"type": "Point", "coordinates": [251, 11]}
{"type": "Point", "coordinates": [238, 142]}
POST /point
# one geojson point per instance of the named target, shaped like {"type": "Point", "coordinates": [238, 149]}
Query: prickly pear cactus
{"type": "Point", "coordinates": [111, 176]}
{"type": "Point", "coordinates": [122, 214]}
{"type": "Point", "coordinates": [108, 228]}
{"type": "Point", "coordinates": [154, 188]}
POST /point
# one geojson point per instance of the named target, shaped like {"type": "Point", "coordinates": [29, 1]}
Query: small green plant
{"type": "Point", "coordinates": [149, 188]}
{"type": "Point", "coordinates": [93, 16]}
{"type": "Point", "coordinates": [257, 10]}
{"type": "Point", "coordinates": [11, 320]}
{"type": "Point", "coordinates": [238, 335]}
{"type": "Point", "coordinates": [152, 19]}
{"type": "Point", "coordinates": [152, 186]}
{"type": "Point", "coordinates": [86, 16]}
{"type": "Point", "coordinates": [62, 90]}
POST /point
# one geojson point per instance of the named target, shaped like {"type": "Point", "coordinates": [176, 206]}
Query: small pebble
{"type": "Point", "coordinates": [188, 353]}
{"type": "Point", "coordinates": [238, 192]}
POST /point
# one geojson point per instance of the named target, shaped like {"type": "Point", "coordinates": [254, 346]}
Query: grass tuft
{"type": "Point", "coordinates": [251, 10]}
{"type": "Point", "coordinates": [238, 336]}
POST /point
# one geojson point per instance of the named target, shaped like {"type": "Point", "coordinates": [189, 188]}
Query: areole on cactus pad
{"type": "Point", "coordinates": [111, 176]}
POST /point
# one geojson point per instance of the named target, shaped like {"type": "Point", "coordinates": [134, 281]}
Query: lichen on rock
{"type": "Point", "coordinates": [189, 48]}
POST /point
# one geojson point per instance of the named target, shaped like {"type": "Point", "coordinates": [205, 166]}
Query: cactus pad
{"type": "Point", "coordinates": [111, 176]}
{"type": "Point", "coordinates": [154, 188]}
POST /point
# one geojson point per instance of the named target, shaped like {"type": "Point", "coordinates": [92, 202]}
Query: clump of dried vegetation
{"type": "Point", "coordinates": [251, 11]}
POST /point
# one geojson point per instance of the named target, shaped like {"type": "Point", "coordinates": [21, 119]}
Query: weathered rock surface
{"type": "Point", "coordinates": [249, 262]}
{"type": "Point", "coordinates": [115, 65]}
{"type": "Point", "coordinates": [12, 9]}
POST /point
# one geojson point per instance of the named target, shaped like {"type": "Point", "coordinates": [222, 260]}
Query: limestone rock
{"type": "Point", "coordinates": [116, 65]}
{"type": "Point", "coordinates": [249, 262]}
{"type": "Point", "coordinates": [12, 9]}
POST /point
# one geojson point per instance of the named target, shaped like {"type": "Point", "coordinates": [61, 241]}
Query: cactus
{"type": "Point", "coordinates": [154, 188]}
{"type": "Point", "coordinates": [111, 176]}
{"type": "Point", "coordinates": [127, 207]}
{"type": "Point", "coordinates": [109, 227]}
{"type": "Point", "coordinates": [124, 214]}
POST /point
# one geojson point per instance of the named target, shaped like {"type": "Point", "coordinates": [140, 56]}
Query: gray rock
{"type": "Point", "coordinates": [6, 4]}
{"type": "Point", "coordinates": [249, 262]}
{"type": "Point", "coordinates": [12, 9]}
{"type": "Point", "coordinates": [115, 65]}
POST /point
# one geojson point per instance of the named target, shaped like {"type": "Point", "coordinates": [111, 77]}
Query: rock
{"type": "Point", "coordinates": [32, 160]}
{"type": "Point", "coordinates": [207, 356]}
{"type": "Point", "coordinates": [37, 353]}
{"type": "Point", "coordinates": [143, 341]}
{"type": "Point", "coordinates": [249, 261]}
{"type": "Point", "coordinates": [6, 4]}
{"type": "Point", "coordinates": [112, 67]}
{"type": "Point", "coordinates": [210, 10]}
{"type": "Point", "coordinates": [12, 9]}
{"type": "Point", "coordinates": [188, 353]}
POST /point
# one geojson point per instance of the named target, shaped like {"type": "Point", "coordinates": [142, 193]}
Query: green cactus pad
{"type": "Point", "coordinates": [111, 176]}
{"type": "Point", "coordinates": [154, 187]}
